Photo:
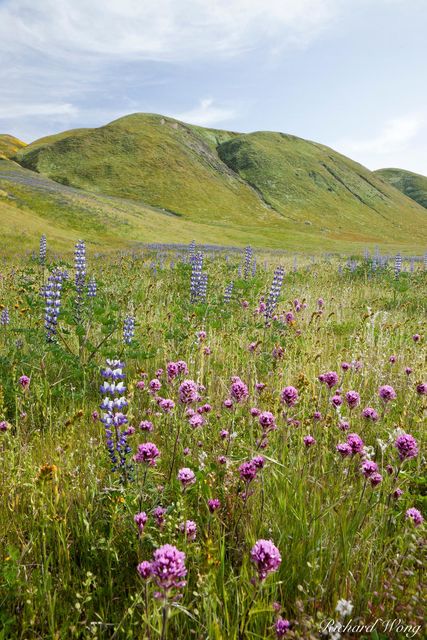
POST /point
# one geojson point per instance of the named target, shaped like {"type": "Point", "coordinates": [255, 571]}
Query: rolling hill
{"type": "Point", "coordinates": [146, 178]}
{"type": "Point", "coordinates": [9, 145]}
{"type": "Point", "coordinates": [411, 184]}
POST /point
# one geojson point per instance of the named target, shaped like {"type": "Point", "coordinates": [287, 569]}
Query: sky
{"type": "Point", "coordinates": [350, 74]}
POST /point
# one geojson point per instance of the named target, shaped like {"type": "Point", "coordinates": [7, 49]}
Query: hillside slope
{"type": "Point", "coordinates": [9, 145]}
{"type": "Point", "coordinates": [411, 184]}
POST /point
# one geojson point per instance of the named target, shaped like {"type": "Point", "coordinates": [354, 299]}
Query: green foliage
{"type": "Point", "coordinates": [411, 184]}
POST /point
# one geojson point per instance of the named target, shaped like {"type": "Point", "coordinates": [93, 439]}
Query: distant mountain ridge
{"type": "Point", "coordinates": [262, 188]}
{"type": "Point", "coordinates": [413, 185]}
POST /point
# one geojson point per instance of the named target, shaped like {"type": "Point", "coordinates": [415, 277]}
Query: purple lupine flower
{"type": "Point", "coordinates": [147, 453]}
{"type": "Point", "coordinates": [188, 392]}
{"type": "Point", "coordinates": [228, 292]}
{"type": "Point", "coordinates": [52, 295]}
{"type": "Point", "coordinates": [368, 468]}
{"type": "Point", "coordinates": [140, 520]}
{"type": "Point", "coordinates": [168, 568]}
{"type": "Point", "coordinates": [186, 477]}
{"type": "Point", "coordinates": [128, 329]}
{"type": "Point", "coordinates": [415, 516]}
{"type": "Point", "coordinates": [266, 556]}
{"type": "Point", "coordinates": [407, 446]}
{"type": "Point", "coordinates": [80, 276]}
{"type": "Point", "coordinates": [281, 627]}
{"type": "Point", "coordinates": [4, 317]}
{"type": "Point", "coordinates": [387, 393]}
{"type": "Point", "coordinates": [289, 396]}
{"type": "Point", "coordinates": [91, 288]}
{"type": "Point", "coordinates": [144, 569]}
{"type": "Point", "coordinates": [353, 399]}
{"type": "Point", "coordinates": [330, 378]}
{"type": "Point", "coordinates": [309, 441]}
{"type": "Point", "coordinates": [189, 529]}
{"type": "Point", "coordinates": [274, 293]}
{"type": "Point", "coordinates": [355, 442]}
{"type": "Point", "coordinates": [42, 249]}
{"type": "Point", "coordinates": [213, 504]}
{"type": "Point", "coordinates": [238, 390]}
{"type": "Point", "coordinates": [370, 414]}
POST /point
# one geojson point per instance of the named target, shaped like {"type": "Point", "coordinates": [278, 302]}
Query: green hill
{"type": "Point", "coordinates": [411, 184]}
{"type": "Point", "coordinates": [9, 145]}
{"type": "Point", "coordinates": [266, 188]}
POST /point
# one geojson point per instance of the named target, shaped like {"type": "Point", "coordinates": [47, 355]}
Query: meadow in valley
{"type": "Point", "coordinates": [212, 443]}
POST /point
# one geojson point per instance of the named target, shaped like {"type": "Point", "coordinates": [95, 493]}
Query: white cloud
{"type": "Point", "coordinates": [166, 30]}
{"type": "Point", "coordinates": [401, 143]}
{"type": "Point", "coordinates": [206, 113]}
{"type": "Point", "coordinates": [48, 109]}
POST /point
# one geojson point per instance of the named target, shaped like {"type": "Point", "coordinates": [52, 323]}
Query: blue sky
{"type": "Point", "coordinates": [348, 73]}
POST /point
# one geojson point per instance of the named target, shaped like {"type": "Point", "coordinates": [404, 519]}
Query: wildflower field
{"type": "Point", "coordinates": [209, 443]}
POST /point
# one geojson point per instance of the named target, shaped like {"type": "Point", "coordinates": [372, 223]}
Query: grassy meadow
{"type": "Point", "coordinates": [263, 463]}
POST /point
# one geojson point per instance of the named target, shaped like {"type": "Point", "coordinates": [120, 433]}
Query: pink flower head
{"type": "Point", "coordinates": [375, 479]}
{"type": "Point", "coordinates": [317, 416]}
{"type": "Point", "coordinates": [289, 396]}
{"type": "Point", "coordinates": [336, 400]}
{"type": "Point", "coordinates": [172, 370]}
{"type": "Point", "coordinates": [370, 414]}
{"type": "Point", "coordinates": [281, 627]}
{"type": "Point", "coordinates": [414, 515]}
{"type": "Point", "coordinates": [140, 520]}
{"type": "Point", "coordinates": [186, 477]}
{"type": "Point", "coordinates": [228, 403]}
{"type": "Point", "coordinates": [416, 337]}
{"type": "Point", "coordinates": [392, 359]}
{"type": "Point", "coordinates": [289, 317]}
{"type": "Point", "coordinates": [344, 449]}
{"type": "Point", "coordinates": [355, 442]}
{"type": "Point", "coordinates": [213, 504]}
{"type": "Point", "coordinates": [248, 471]}
{"type": "Point", "coordinates": [238, 390]}
{"type": "Point", "coordinates": [140, 385]}
{"type": "Point", "coordinates": [159, 515]}
{"type": "Point", "coordinates": [146, 425]}
{"type": "Point", "coordinates": [167, 405]}
{"type": "Point", "coordinates": [387, 393]}
{"type": "Point", "coordinates": [330, 378]}
{"type": "Point", "coordinates": [408, 371]}
{"type": "Point", "coordinates": [368, 468]}
{"type": "Point", "coordinates": [320, 303]}
{"type": "Point", "coordinates": [343, 425]}
{"type": "Point", "coordinates": [260, 386]}
{"type": "Point", "coordinates": [182, 367]}
{"type": "Point", "coordinates": [147, 453]}
{"type": "Point", "coordinates": [201, 336]}
{"type": "Point", "coordinates": [407, 446]}
{"type": "Point", "coordinates": [345, 366]}
{"type": "Point", "coordinates": [196, 420]}
{"type": "Point", "coordinates": [144, 569]}
{"type": "Point", "coordinates": [155, 385]}
{"type": "Point", "coordinates": [168, 568]}
{"type": "Point", "coordinates": [223, 434]}
{"type": "Point", "coordinates": [266, 556]}
{"type": "Point", "coordinates": [24, 381]}
{"type": "Point", "coordinates": [422, 389]}
{"type": "Point", "coordinates": [255, 412]}
{"type": "Point", "coordinates": [267, 421]}
{"type": "Point", "coordinates": [309, 441]}
{"type": "Point", "coordinates": [3, 425]}
{"type": "Point", "coordinates": [189, 529]}
{"type": "Point", "coordinates": [353, 399]}
{"type": "Point", "coordinates": [188, 392]}
{"type": "Point", "coordinates": [397, 493]}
